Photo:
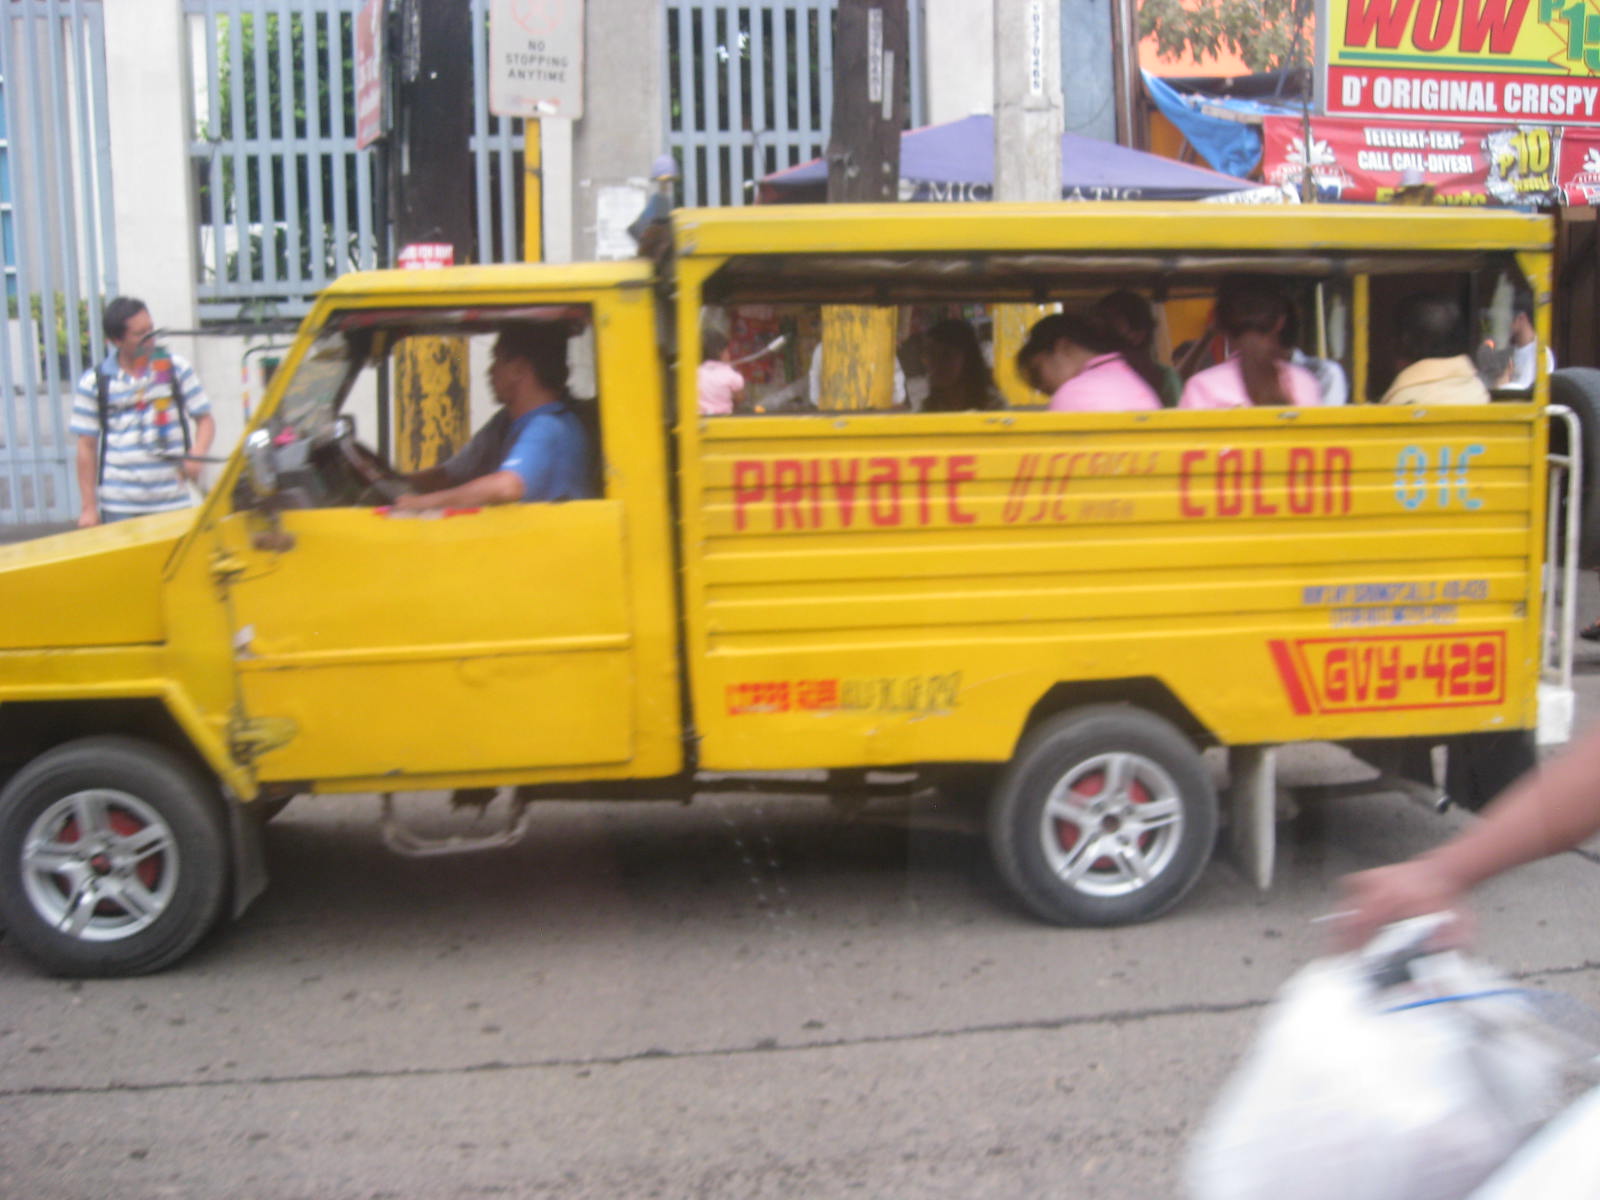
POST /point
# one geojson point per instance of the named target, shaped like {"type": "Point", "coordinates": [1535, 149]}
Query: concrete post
{"type": "Point", "coordinates": [146, 56]}
{"type": "Point", "coordinates": [1027, 146]}
{"type": "Point", "coordinates": [623, 127]}
{"type": "Point", "coordinates": [1027, 87]}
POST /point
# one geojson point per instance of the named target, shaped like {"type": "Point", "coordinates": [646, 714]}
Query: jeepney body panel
{"type": "Point", "coordinates": [867, 588]}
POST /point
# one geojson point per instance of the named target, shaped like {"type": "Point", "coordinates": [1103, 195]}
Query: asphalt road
{"type": "Point", "coordinates": [738, 999]}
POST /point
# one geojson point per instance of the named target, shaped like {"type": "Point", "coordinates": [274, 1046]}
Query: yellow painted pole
{"type": "Point", "coordinates": [431, 411]}
{"type": "Point", "coordinates": [858, 348]}
{"type": "Point", "coordinates": [532, 193]}
{"type": "Point", "coordinates": [1360, 313]}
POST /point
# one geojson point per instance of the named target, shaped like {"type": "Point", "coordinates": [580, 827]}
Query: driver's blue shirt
{"type": "Point", "coordinates": [548, 449]}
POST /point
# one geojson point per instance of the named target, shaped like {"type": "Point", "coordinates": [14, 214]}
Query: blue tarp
{"type": "Point", "coordinates": [1229, 146]}
{"type": "Point", "coordinates": [955, 161]}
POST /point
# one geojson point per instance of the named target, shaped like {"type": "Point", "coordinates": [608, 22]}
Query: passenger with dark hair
{"type": "Point", "coordinates": [1074, 359]}
{"type": "Point", "coordinates": [535, 448]}
{"type": "Point", "coordinates": [1129, 315]}
{"type": "Point", "coordinates": [1525, 344]}
{"type": "Point", "coordinates": [1253, 314]}
{"type": "Point", "coordinates": [958, 377]}
{"type": "Point", "coordinates": [1435, 367]}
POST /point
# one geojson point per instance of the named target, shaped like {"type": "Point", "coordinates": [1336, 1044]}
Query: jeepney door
{"type": "Point", "coordinates": [372, 647]}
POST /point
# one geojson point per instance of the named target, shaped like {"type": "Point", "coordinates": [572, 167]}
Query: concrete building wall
{"type": "Point", "coordinates": [958, 58]}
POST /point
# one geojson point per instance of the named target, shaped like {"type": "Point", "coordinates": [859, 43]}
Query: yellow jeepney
{"type": "Point", "coordinates": [1062, 609]}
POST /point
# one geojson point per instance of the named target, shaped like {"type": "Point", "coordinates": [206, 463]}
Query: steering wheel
{"type": "Point", "coordinates": [380, 483]}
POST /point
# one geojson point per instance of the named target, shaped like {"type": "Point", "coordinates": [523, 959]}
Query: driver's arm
{"type": "Point", "coordinates": [430, 480]}
{"type": "Point", "coordinates": [497, 487]}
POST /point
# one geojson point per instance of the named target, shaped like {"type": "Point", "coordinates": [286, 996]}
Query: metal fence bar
{"type": "Point", "coordinates": [102, 155]}
{"type": "Point", "coordinates": [236, 135]}
{"type": "Point", "coordinates": [286, 162]}
{"type": "Point", "coordinates": [48, 427]}
{"type": "Point", "coordinates": [261, 158]}
{"type": "Point", "coordinates": [92, 188]}
{"type": "Point", "coordinates": [212, 249]}
{"type": "Point", "coordinates": [318, 148]}
{"type": "Point", "coordinates": [44, 334]}
{"type": "Point", "coordinates": [11, 458]}
{"type": "Point", "coordinates": [341, 214]}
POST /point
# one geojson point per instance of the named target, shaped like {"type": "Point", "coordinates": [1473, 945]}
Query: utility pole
{"type": "Point", "coordinates": [1027, 145]}
{"type": "Point", "coordinates": [869, 112]}
{"type": "Point", "coordinates": [431, 168]}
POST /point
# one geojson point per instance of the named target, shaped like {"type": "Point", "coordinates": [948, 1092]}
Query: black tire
{"type": "Point", "coordinates": [1149, 861]}
{"type": "Point", "coordinates": [154, 860]}
{"type": "Point", "coordinates": [1579, 389]}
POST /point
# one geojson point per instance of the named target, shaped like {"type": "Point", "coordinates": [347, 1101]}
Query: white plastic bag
{"type": "Point", "coordinates": [1356, 1092]}
{"type": "Point", "coordinates": [1560, 1162]}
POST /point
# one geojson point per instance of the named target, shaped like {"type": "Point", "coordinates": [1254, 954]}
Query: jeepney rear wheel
{"type": "Point", "coordinates": [113, 858]}
{"type": "Point", "coordinates": [1106, 816]}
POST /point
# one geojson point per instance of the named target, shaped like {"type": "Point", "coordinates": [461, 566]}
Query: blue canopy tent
{"type": "Point", "coordinates": [955, 161]}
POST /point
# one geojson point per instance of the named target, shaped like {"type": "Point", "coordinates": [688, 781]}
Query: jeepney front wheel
{"type": "Point", "coordinates": [113, 858]}
{"type": "Point", "coordinates": [1106, 816]}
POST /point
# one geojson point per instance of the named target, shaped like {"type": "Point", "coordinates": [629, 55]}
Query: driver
{"type": "Point", "coordinates": [534, 448]}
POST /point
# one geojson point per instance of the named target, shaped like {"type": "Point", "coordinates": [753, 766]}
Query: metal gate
{"type": "Point", "coordinates": [749, 89]}
{"type": "Point", "coordinates": [56, 242]}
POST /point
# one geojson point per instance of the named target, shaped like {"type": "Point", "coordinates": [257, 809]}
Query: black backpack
{"type": "Point", "coordinates": [102, 392]}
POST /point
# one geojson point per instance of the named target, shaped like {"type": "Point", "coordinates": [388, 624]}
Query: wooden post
{"type": "Point", "coordinates": [869, 110]}
{"type": "Point", "coordinates": [432, 163]}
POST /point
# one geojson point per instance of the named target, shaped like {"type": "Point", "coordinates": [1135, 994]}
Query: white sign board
{"type": "Point", "coordinates": [369, 73]}
{"type": "Point", "coordinates": [536, 58]}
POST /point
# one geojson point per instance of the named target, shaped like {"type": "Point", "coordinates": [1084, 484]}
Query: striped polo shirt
{"type": "Point", "coordinates": [142, 427]}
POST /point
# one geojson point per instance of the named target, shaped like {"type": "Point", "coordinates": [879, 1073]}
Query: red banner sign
{"type": "Point", "coordinates": [1352, 159]}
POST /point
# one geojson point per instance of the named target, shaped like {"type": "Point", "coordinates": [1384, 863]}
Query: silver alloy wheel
{"type": "Point", "coordinates": [99, 865]}
{"type": "Point", "coordinates": [1112, 824]}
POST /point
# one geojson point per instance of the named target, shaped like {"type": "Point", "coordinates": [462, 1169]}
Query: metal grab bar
{"type": "Point", "coordinates": [1566, 471]}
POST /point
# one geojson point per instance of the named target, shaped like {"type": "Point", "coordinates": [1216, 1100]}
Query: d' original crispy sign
{"type": "Point", "coordinates": [1500, 61]}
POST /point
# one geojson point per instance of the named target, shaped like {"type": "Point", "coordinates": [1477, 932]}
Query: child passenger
{"type": "Point", "coordinates": [1252, 312]}
{"type": "Point", "coordinates": [1076, 361]}
{"type": "Point", "coordinates": [717, 379]}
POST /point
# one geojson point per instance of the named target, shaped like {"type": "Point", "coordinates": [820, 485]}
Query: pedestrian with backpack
{"type": "Point", "coordinates": [131, 414]}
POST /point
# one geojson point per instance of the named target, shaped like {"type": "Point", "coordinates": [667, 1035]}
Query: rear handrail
{"type": "Point", "coordinates": [1565, 470]}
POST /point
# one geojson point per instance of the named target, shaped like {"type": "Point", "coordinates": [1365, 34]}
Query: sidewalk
{"type": "Point", "coordinates": [23, 533]}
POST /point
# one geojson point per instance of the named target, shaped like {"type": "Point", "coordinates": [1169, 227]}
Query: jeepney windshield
{"type": "Point", "coordinates": [311, 399]}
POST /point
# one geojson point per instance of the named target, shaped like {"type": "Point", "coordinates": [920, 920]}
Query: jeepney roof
{"type": "Point", "coordinates": [899, 253]}
{"type": "Point", "coordinates": [439, 283]}
{"type": "Point", "coordinates": [1139, 227]}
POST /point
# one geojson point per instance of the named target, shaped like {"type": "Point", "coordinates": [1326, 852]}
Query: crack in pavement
{"type": "Point", "coordinates": [764, 1046]}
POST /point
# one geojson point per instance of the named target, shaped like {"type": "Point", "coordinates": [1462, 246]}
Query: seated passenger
{"type": "Point", "coordinates": [1130, 317]}
{"type": "Point", "coordinates": [1252, 313]}
{"type": "Point", "coordinates": [1075, 360]}
{"type": "Point", "coordinates": [1332, 385]}
{"type": "Point", "coordinates": [958, 377]}
{"type": "Point", "coordinates": [534, 448]}
{"type": "Point", "coordinates": [718, 381]}
{"type": "Point", "coordinates": [1525, 344]}
{"type": "Point", "coordinates": [1433, 358]}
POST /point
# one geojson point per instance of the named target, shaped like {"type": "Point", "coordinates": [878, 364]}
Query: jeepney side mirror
{"type": "Point", "coordinates": [260, 467]}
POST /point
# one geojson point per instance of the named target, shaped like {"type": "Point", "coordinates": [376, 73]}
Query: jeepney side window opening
{"type": "Point", "coordinates": [363, 364]}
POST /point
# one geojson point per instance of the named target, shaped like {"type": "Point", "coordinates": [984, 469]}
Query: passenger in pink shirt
{"type": "Point", "coordinates": [718, 380]}
{"type": "Point", "coordinates": [1073, 358]}
{"type": "Point", "coordinates": [1252, 312]}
